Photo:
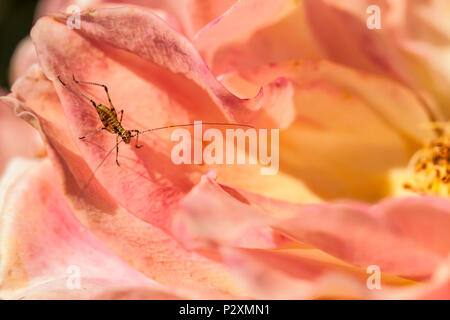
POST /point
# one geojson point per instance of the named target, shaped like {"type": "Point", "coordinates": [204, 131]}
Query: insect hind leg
{"type": "Point", "coordinates": [97, 84]}
{"type": "Point", "coordinates": [77, 92]}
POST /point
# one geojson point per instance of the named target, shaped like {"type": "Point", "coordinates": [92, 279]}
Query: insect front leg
{"type": "Point", "coordinates": [92, 133]}
{"type": "Point", "coordinates": [137, 138]}
{"type": "Point", "coordinates": [121, 116]}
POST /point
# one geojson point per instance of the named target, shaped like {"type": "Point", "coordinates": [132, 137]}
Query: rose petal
{"type": "Point", "coordinates": [153, 103]}
{"type": "Point", "coordinates": [432, 66]}
{"type": "Point", "coordinates": [247, 16]}
{"type": "Point", "coordinates": [198, 13]}
{"type": "Point", "coordinates": [265, 281]}
{"type": "Point", "coordinates": [191, 14]}
{"type": "Point", "coordinates": [343, 131]}
{"type": "Point", "coordinates": [24, 56]}
{"type": "Point", "coordinates": [44, 247]}
{"type": "Point", "coordinates": [306, 29]}
{"type": "Point", "coordinates": [136, 293]}
{"type": "Point", "coordinates": [271, 32]}
{"type": "Point", "coordinates": [358, 234]}
{"type": "Point", "coordinates": [363, 248]}
{"type": "Point", "coordinates": [421, 31]}
{"type": "Point", "coordinates": [11, 127]}
{"type": "Point", "coordinates": [230, 231]}
{"type": "Point", "coordinates": [351, 234]}
{"type": "Point", "coordinates": [425, 221]}
{"type": "Point", "coordinates": [147, 248]}
{"type": "Point", "coordinates": [159, 44]}
{"type": "Point", "coordinates": [352, 42]}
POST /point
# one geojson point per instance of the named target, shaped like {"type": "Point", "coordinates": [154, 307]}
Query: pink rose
{"type": "Point", "coordinates": [353, 108]}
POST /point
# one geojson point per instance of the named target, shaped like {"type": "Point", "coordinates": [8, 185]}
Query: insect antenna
{"type": "Point", "coordinates": [194, 124]}
{"type": "Point", "coordinates": [155, 129]}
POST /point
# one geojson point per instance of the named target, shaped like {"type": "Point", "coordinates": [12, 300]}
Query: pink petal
{"type": "Point", "coordinates": [351, 42]}
{"type": "Point", "coordinates": [24, 56]}
{"type": "Point", "coordinates": [198, 13]}
{"type": "Point", "coordinates": [191, 14]}
{"type": "Point", "coordinates": [305, 29]}
{"type": "Point", "coordinates": [11, 127]}
{"type": "Point", "coordinates": [266, 279]}
{"type": "Point", "coordinates": [344, 38]}
{"type": "Point", "coordinates": [342, 130]}
{"type": "Point", "coordinates": [147, 248]}
{"type": "Point", "coordinates": [43, 244]}
{"type": "Point", "coordinates": [421, 31]}
{"type": "Point", "coordinates": [148, 95]}
{"type": "Point", "coordinates": [358, 234]}
{"type": "Point", "coordinates": [423, 220]}
{"type": "Point", "coordinates": [271, 31]}
{"type": "Point", "coordinates": [439, 287]}
{"type": "Point", "coordinates": [351, 234]}
{"type": "Point", "coordinates": [158, 43]}
{"type": "Point", "coordinates": [249, 15]}
{"type": "Point", "coordinates": [225, 231]}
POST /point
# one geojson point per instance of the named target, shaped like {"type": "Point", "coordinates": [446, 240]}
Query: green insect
{"type": "Point", "coordinates": [108, 117]}
{"type": "Point", "coordinates": [111, 122]}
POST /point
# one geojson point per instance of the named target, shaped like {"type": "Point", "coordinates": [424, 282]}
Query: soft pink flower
{"type": "Point", "coordinates": [17, 138]}
{"type": "Point", "coordinates": [350, 107]}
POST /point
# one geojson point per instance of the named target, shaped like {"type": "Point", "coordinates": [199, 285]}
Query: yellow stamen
{"type": "Point", "coordinates": [431, 165]}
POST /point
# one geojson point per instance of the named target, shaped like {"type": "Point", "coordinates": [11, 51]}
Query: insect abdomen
{"type": "Point", "coordinates": [110, 121]}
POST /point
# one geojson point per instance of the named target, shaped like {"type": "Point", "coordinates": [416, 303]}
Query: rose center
{"type": "Point", "coordinates": [431, 167]}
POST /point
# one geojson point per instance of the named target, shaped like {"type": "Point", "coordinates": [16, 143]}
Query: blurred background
{"type": "Point", "coordinates": [16, 19]}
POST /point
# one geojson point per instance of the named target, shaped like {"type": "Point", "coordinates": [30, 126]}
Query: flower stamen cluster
{"type": "Point", "coordinates": [431, 167]}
